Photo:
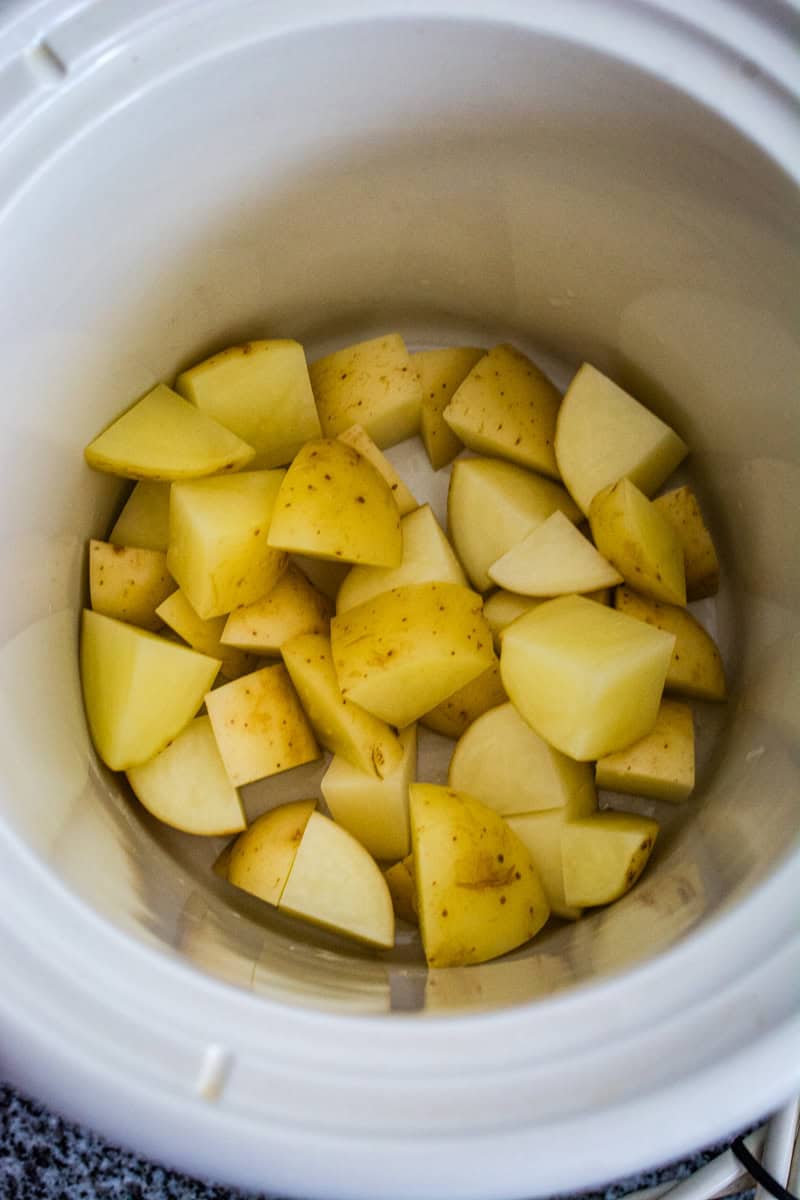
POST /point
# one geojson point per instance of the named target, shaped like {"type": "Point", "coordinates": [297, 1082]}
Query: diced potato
{"type": "Point", "coordinates": [508, 407]}
{"type": "Point", "coordinates": [695, 668]}
{"type": "Point", "coordinates": [371, 383]}
{"type": "Point", "coordinates": [144, 520]}
{"type": "Point", "coordinates": [128, 583]}
{"type": "Point", "coordinates": [602, 856]}
{"type": "Point", "coordinates": [262, 392]}
{"type": "Point", "coordinates": [492, 505]}
{"type": "Point", "coordinates": [540, 833]}
{"type": "Point", "coordinates": [603, 435]}
{"type": "Point", "coordinates": [341, 725]}
{"type": "Point", "coordinates": [186, 785]}
{"type": "Point", "coordinates": [261, 859]}
{"type": "Point", "coordinates": [336, 884]}
{"type": "Point", "coordinates": [640, 541]}
{"type": "Point", "coordinates": [219, 551]}
{"type": "Point", "coordinates": [165, 437]}
{"type": "Point", "coordinates": [501, 762]}
{"type": "Point", "coordinates": [440, 373]}
{"type": "Point", "coordinates": [357, 437]}
{"type": "Point", "coordinates": [478, 895]}
{"type": "Point", "coordinates": [139, 689]}
{"type": "Point", "coordinates": [585, 680]}
{"type": "Point", "coordinates": [334, 504]}
{"type": "Point", "coordinates": [178, 614]}
{"type": "Point", "coordinates": [292, 607]}
{"type": "Point", "coordinates": [403, 889]}
{"type": "Point", "coordinates": [259, 725]}
{"type": "Point", "coordinates": [324, 575]}
{"type": "Point", "coordinates": [457, 712]}
{"type": "Point", "coordinates": [661, 765]}
{"type": "Point", "coordinates": [428, 557]}
{"type": "Point", "coordinates": [374, 810]}
{"type": "Point", "coordinates": [554, 559]}
{"type": "Point", "coordinates": [700, 558]}
{"type": "Point", "coordinates": [501, 608]}
{"type": "Point", "coordinates": [404, 651]}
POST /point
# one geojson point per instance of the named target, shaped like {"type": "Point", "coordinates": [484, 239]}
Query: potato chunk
{"type": "Point", "coordinates": [372, 384]}
{"type": "Point", "coordinates": [293, 606]}
{"type": "Point", "coordinates": [554, 559]}
{"type": "Point", "coordinates": [586, 681]}
{"type": "Point", "coordinates": [640, 541]}
{"type": "Point", "coordinates": [661, 765]}
{"type": "Point", "coordinates": [261, 859]}
{"type": "Point", "coordinates": [455, 714]}
{"type": "Point", "coordinates": [695, 668]}
{"type": "Point", "coordinates": [403, 890]}
{"type": "Point", "coordinates": [602, 856]}
{"type": "Point", "coordinates": [440, 373]}
{"type": "Point", "coordinates": [128, 583]}
{"type": "Point", "coordinates": [700, 558]}
{"type": "Point", "coordinates": [540, 833]}
{"type": "Point", "coordinates": [144, 520]}
{"type": "Point", "coordinates": [177, 612]}
{"type": "Point", "coordinates": [357, 437]}
{"type": "Point", "coordinates": [374, 810]}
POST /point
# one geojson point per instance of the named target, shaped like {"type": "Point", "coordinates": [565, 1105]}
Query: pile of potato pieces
{"type": "Point", "coordinates": [272, 543]}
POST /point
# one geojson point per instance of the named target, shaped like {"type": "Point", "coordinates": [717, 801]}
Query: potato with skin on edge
{"type": "Point", "coordinates": [292, 607]}
{"type": "Point", "coordinates": [640, 542]}
{"type": "Point", "coordinates": [701, 565]}
{"type": "Point", "coordinates": [374, 810]}
{"type": "Point", "coordinates": [357, 437]}
{"type": "Point", "coordinates": [372, 384]}
{"type": "Point", "coordinates": [178, 614]}
{"type": "Point", "coordinates": [440, 373]}
{"type": "Point", "coordinates": [502, 607]}
{"type": "Point", "coordinates": [661, 765]}
{"type": "Point", "coordinates": [603, 855]}
{"type": "Point", "coordinates": [128, 583]}
{"type": "Point", "coordinates": [554, 559]}
{"type": "Point", "coordinates": [540, 832]}
{"type": "Point", "coordinates": [695, 668]}
{"type": "Point", "coordinates": [261, 859]}
{"type": "Point", "coordinates": [144, 520]}
{"type": "Point", "coordinates": [457, 712]}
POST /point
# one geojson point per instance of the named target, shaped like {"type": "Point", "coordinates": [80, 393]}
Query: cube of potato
{"type": "Point", "coordinates": [334, 504]}
{"type": "Point", "coordinates": [178, 614]}
{"type": "Point", "coordinates": [326, 576]}
{"type": "Point", "coordinates": [260, 726]}
{"type": "Point", "coordinates": [262, 392]}
{"type": "Point", "coordinates": [219, 550]}
{"type": "Point", "coordinates": [139, 689]}
{"type": "Point", "coordinates": [403, 889]}
{"type": "Point", "coordinates": [700, 558]}
{"type": "Point", "coordinates": [661, 765]}
{"type": "Point", "coordinates": [452, 716]}
{"type": "Point", "coordinates": [128, 583]}
{"type": "Point", "coordinates": [440, 373]}
{"type": "Point", "coordinates": [404, 651]}
{"type": "Point", "coordinates": [374, 810]}
{"type": "Point", "coordinates": [603, 435]}
{"type": "Point", "coordinates": [492, 505]}
{"type": "Point", "coordinates": [585, 680]}
{"type": "Point", "coordinates": [501, 608]}
{"type": "Point", "coordinates": [165, 437]}
{"type": "Point", "coordinates": [261, 859]}
{"type": "Point", "coordinates": [341, 725]}
{"type": "Point", "coordinates": [554, 559]}
{"type": "Point", "coordinates": [540, 833]}
{"type": "Point", "coordinates": [478, 895]}
{"type": "Point", "coordinates": [144, 520]}
{"type": "Point", "coordinates": [372, 384]}
{"type": "Point", "coordinates": [508, 407]}
{"type": "Point", "coordinates": [602, 856]}
{"type": "Point", "coordinates": [186, 786]}
{"type": "Point", "coordinates": [293, 606]}
{"type": "Point", "coordinates": [501, 762]}
{"type": "Point", "coordinates": [695, 668]}
{"type": "Point", "coordinates": [428, 557]}
{"type": "Point", "coordinates": [640, 541]}
{"type": "Point", "coordinates": [357, 437]}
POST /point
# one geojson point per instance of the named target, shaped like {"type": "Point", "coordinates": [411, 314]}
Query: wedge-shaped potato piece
{"type": "Point", "coordinates": [335, 883]}
{"type": "Point", "coordinates": [324, 575]}
{"type": "Point", "coordinates": [428, 557]}
{"type": "Point", "coordinates": [178, 614]}
{"type": "Point", "coordinates": [144, 520]}
{"type": "Point", "coordinates": [403, 889]}
{"type": "Point", "coordinates": [259, 725]}
{"type": "Point", "coordinates": [262, 858]}
{"type": "Point", "coordinates": [261, 391]}
{"type": "Point", "coordinates": [293, 606]}
{"type": "Point", "coordinates": [440, 373]}
{"type": "Point", "coordinates": [501, 762]}
{"type": "Point", "coordinates": [186, 785]}
{"type": "Point", "coordinates": [640, 541]}
{"type": "Point", "coordinates": [478, 895]}
{"type": "Point", "coordinates": [508, 407]}
{"type": "Point", "coordinates": [165, 437]}
{"type": "Point", "coordinates": [540, 833]}
{"type": "Point", "coordinates": [492, 505]}
{"type": "Point", "coordinates": [374, 810]}
{"type": "Point", "coordinates": [404, 651]}
{"type": "Point", "coordinates": [457, 712]}
{"type": "Point", "coordinates": [602, 856]}
{"type": "Point", "coordinates": [501, 608]}
{"type": "Point", "coordinates": [695, 668]}
{"type": "Point", "coordinates": [357, 437]}
{"type": "Point", "coordinates": [219, 551]}
{"type": "Point", "coordinates": [139, 689]}
{"type": "Point", "coordinates": [128, 583]}
{"type": "Point", "coordinates": [372, 384]}
{"type": "Point", "coordinates": [334, 504]}
{"type": "Point", "coordinates": [341, 725]}
{"type": "Point", "coordinates": [603, 435]}
{"type": "Point", "coordinates": [554, 559]}
{"type": "Point", "coordinates": [700, 558]}
{"type": "Point", "coordinates": [588, 682]}
{"type": "Point", "coordinates": [661, 765]}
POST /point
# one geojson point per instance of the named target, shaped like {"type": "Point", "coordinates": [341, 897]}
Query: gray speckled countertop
{"type": "Point", "coordinates": [43, 1157]}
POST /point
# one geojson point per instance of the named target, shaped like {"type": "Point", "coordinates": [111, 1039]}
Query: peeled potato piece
{"type": "Point", "coordinates": [144, 520]}
{"type": "Point", "coordinates": [554, 559]}
{"type": "Point", "coordinates": [374, 810]}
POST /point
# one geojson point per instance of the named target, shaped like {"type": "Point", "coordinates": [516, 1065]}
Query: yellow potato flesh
{"type": "Point", "coordinates": [402, 889]}
{"type": "Point", "coordinates": [440, 372]}
{"type": "Point", "coordinates": [324, 575]}
{"type": "Point", "coordinates": [128, 583]}
{"type": "Point", "coordinates": [553, 560]}
{"type": "Point", "coordinates": [144, 520]}
{"type": "Point", "coordinates": [540, 833]}
{"type": "Point", "coordinates": [372, 384]}
{"type": "Point", "coordinates": [640, 541]}
{"type": "Point", "coordinates": [700, 558]}
{"type": "Point", "coordinates": [357, 437]}
{"type": "Point", "coordinates": [602, 856]}
{"type": "Point", "coordinates": [178, 614]}
{"type": "Point", "coordinates": [661, 765]}
{"type": "Point", "coordinates": [374, 810]}
{"type": "Point", "coordinates": [292, 607]}
{"type": "Point", "coordinates": [261, 858]}
{"type": "Point", "coordinates": [695, 667]}
{"type": "Point", "coordinates": [457, 712]}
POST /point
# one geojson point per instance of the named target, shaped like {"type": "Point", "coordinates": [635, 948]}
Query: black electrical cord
{"type": "Point", "coordinates": [758, 1172]}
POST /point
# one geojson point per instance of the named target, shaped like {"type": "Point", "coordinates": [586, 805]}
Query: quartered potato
{"type": "Point", "coordinates": [203, 635]}
{"type": "Point", "coordinates": [373, 809]}
{"type": "Point", "coordinates": [262, 858]}
{"type": "Point", "coordinates": [554, 559]}
{"type": "Point", "coordinates": [128, 583]}
{"type": "Point", "coordinates": [291, 607]}
{"type": "Point", "coordinates": [457, 712]}
{"type": "Point", "coordinates": [540, 832]}
{"type": "Point", "coordinates": [144, 520]}
{"type": "Point", "coordinates": [640, 541]}
{"type": "Point", "coordinates": [695, 667]}
{"type": "Point", "coordinates": [680, 507]}
{"type": "Point", "coordinates": [357, 437]}
{"type": "Point", "coordinates": [440, 373]}
{"type": "Point", "coordinates": [372, 384]}
{"type": "Point", "coordinates": [603, 855]}
{"type": "Point", "coordinates": [661, 764]}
